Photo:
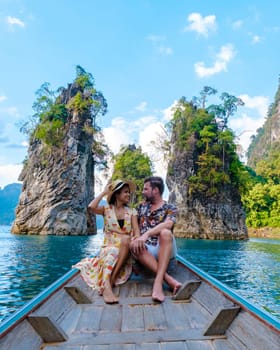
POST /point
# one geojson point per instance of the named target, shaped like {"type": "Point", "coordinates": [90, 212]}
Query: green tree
{"type": "Point", "coordinates": [132, 164]}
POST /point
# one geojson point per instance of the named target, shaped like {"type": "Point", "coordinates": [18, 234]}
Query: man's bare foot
{"type": "Point", "coordinates": [176, 287]}
{"type": "Point", "coordinates": [173, 284]}
{"type": "Point", "coordinates": [157, 294]}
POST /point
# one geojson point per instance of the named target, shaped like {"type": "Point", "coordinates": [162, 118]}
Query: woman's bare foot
{"type": "Point", "coordinates": [108, 295]}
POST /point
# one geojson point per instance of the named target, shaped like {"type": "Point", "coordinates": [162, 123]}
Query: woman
{"type": "Point", "coordinates": [113, 265]}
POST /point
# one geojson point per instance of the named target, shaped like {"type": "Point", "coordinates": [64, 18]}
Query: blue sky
{"type": "Point", "coordinates": [143, 54]}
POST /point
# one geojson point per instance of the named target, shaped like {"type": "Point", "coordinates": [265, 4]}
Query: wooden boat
{"type": "Point", "coordinates": [205, 314]}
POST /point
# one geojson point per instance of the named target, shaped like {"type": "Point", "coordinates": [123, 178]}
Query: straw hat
{"type": "Point", "coordinates": [117, 185]}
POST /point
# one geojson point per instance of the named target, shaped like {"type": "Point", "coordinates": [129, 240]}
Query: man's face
{"type": "Point", "coordinates": [148, 192]}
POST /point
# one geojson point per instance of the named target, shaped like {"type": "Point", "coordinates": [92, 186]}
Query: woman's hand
{"type": "Point", "coordinates": [107, 189]}
{"type": "Point", "coordinates": [137, 244]}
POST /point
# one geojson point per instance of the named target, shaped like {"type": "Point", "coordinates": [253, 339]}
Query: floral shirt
{"type": "Point", "coordinates": [148, 219]}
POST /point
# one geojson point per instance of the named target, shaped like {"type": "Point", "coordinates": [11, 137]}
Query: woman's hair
{"type": "Point", "coordinates": [113, 198]}
{"type": "Point", "coordinates": [156, 181]}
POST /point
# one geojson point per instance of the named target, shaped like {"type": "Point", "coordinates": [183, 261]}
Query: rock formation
{"type": "Point", "coordinates": [220, 216]}
{"type": "Point", "coordinates": [58, 182]}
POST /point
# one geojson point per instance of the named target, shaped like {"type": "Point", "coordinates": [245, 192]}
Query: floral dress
{"type": "Point", "coordinates": [95, 271]}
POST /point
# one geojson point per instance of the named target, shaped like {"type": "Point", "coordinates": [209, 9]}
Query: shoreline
{"type": "Point", "coordinates": [264, 232]}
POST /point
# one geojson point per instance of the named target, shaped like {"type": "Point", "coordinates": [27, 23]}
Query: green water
{"type": "Point", "coordinates": [28, 264]}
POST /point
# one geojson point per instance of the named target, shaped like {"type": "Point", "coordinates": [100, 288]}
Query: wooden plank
{"type": "Point", "coordinates": [89, 319]}
{"type": "Point", "coordinates": [199, 345]}
{"type": "Point", "coordinates": [178, 345]}
{"type": "Point", "coordinates": [156, 336]}
{"type": "Point", "coordinates": [253, 333]}
{"type": "Point", "coordinates": [149, 346]}
{"type": "Point", "coordinates": [154, 317]}
{"type": "Point", "coordinates": [187, 289]}
{"type": "Point", "coordinates": [222, 344]}
{"type": "Point", "coordinates": [221, 320]}
{"type": "Point", "coordinates": [121, 347]}
{"type": "Point", "coordinates": [23, 337]}
{"type": "Point", "coordinates": [176, 317]}
{"type": "Point", "coordinates": [111, 318]}
{"type": "Point", "coordinates": [133, 318]}
{"type": "Point", "coordinates": [48, 330]}
{"type": "Point", "coordinates": [77, 294]}
{"type": "Point", "coordinates": [128, 290]}
{"type": "Point", "coordinates": [196, 314]}
{"type": "Point", "coordinates": [145, 289]}
{"type": "Point", "coordinates": [70, 322]}
{"type": "Point", "coordinates": [210, 298]}
{"type": "Point", "coordinates": [66, 347]}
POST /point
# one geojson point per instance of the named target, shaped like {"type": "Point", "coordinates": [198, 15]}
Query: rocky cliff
{"type": "Point", "coordinates": [267, 138]}
{"type": "Point", "coordinates": [58, 181]}
{"type": "Point", "coordinates": [216, 216]}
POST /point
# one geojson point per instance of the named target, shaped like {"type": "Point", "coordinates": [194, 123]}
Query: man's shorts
{"type": "Point", "coordinates": [154, 250]}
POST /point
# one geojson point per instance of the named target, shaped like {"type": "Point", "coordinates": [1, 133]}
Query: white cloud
{"type": "Point", "coordinates": [151, 133]}
{"type": "Point", "coordinates": [166, 51]}
{"type": "Point", "coordinates": [157, 41]}
{"type": "Point", "coordinates": [169, 111]}
{"type": "Point", "coordinates": [156, 38]}
{"type": "Point", "coordinates": [237, 24]}
{"type": "Point", "coordinates": [13, 21]}
{"type": "Point", "coordinates": [3, 98]}
{"type": "Point", "coordinates": [246, 124]}
{"type": "Point", "coordinates": [141, 107]}
{"type": "Point", "coordinates": [256, 39]}
{"type": "Point", "coordinates": [223, 57]}
{"type": "Point", "coordinates": [9, 173]}
{"type": "Point", "coordinates": [259, 103]}
{"type": "Point", "coordinates": [201, 25]}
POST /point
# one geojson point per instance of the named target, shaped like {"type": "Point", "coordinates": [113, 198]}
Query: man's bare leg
{"type": "Point", "coordinates": [164, 254]}
{"type": "Point", "coordinates": [148, 260]}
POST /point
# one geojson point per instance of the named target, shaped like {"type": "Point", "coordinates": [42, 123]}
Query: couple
{"type": "Point", "coordinates": [146, 233]}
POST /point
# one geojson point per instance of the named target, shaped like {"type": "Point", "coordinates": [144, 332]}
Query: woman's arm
{"type": "Point", "coordinates": [135, 226]}
{"type": "Point", "coordinates": [93, 205]}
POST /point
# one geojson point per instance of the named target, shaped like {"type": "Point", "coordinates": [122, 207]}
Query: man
{"type": "Point", "coordinates": [156, 244]}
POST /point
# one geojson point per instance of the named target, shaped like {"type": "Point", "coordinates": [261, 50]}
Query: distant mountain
{"type": "Point", "coordinates": [9, 197]}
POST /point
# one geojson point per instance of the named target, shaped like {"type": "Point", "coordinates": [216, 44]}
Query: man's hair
{"type": "Point", "coordinates": [156, 181]}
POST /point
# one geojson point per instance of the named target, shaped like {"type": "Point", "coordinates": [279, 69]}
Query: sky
{"type": "Point", "coordinates": [144, 56]}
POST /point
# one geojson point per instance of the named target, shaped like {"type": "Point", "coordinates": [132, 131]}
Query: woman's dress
{"type": "Point", "coordinates": [95, 271]}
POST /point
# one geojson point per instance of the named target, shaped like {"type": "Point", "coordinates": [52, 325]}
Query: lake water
{"type": "Point", "coordinates": [28, 264]}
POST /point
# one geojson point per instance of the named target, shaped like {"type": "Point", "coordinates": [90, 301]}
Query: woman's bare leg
{"type": "Point", "coordinates": [123, 255]}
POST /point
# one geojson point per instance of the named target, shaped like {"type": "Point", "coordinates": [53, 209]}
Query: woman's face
{"type": "Point", "coordinates": [123, 195]}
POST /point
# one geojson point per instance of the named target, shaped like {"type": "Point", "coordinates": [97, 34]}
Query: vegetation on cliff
{"type": "Point", "coordinates": [262, 201]}
{"type": "Point", "coordinates": [216, 162]}
{"type": "Point", "coordinates": [132, 164]}
{"type": "Point", "coordinates": [52, 109]}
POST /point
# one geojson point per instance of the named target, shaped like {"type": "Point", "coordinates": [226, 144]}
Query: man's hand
{"type": "Point", "coordinates": [137, 244]}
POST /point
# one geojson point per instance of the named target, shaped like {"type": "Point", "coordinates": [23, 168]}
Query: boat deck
{"type": "Point", "coordinates": [78, 319]}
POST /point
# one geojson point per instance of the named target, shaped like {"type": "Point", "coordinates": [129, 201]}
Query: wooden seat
{"type": "Point", "coordinates": [77, 295]}
{"type": "Point", "coordinates": [221, 320]}
{"type": "Point", "coordinates": [47, 329]}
